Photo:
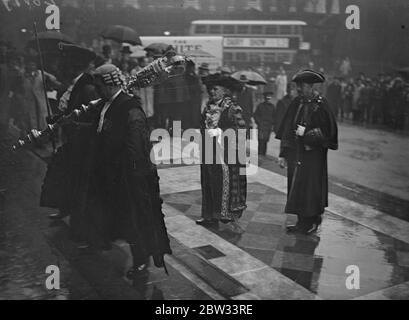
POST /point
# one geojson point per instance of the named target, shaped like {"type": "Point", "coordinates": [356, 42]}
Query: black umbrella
{"type": "Point", "coordinates": [122, 34]}
{"type": "Point", "coordinates": [158, 48]}
{"type": "Point", "coordinates": [49, 41]}
{"type": "Point", "coordinates": [252, 78]}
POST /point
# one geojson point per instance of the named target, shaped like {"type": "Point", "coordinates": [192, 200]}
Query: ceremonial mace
{"type": "Point", "coordinates": [154, 73]}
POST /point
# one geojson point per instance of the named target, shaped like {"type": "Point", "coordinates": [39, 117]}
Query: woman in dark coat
{"type": "Point", "coordinates": [307, 131]}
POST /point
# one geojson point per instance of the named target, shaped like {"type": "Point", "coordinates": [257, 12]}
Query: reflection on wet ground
{"type": "Point", "coordinates": [316, 262]}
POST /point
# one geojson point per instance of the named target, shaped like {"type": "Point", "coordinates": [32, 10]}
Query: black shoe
{"type": "Point", "coordinates": [57, 216]}
{"type": "Point", "coordinates": [133, 272]}
{"type": "Point", "coordinates": [207, 222]}
{"type": "Point", "coordinates": [82, 245]}
{"type": "Point", "coordinates": [293, 229]}
{"type": "Point", "coordinates": [312, 229]}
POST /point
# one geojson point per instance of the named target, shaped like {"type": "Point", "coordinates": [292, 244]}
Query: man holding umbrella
{"type": "Point", "coordinates": [307, 131]}
{"type": "Point", "coordinates": [66, 181]}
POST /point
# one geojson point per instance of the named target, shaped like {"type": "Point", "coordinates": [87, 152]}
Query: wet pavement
{"type": "Point", "coordinates": [362, 227]}
{"type": "Point", "coordinates": [24, 250]}
{"type": "Point", "coordinates": [318, 263]}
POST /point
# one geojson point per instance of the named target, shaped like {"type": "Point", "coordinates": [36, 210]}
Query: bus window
{"type": "Point", "coordinates": [242, 29]}
{"type": "Point", "coordinates": [200, 29]}
{"type": "Point", "coordinates": [255, 57]}
{"type": "Point", "coordinates": [215, 28]}
{"type": "Point", "coordinates": [285, 30]}
{"type": "Point", "coordinates": [229, 29]}
{"type": "Point", "coordinates": [255, 29]}
{"type": "Point", "coordinates": [269, 57]}
{"type": "Point", "coordinates": [283, 57]}
{"type": "Point", "coordinates": [271, 30]}
{"type": "Point", "coordinates": [241, 56]}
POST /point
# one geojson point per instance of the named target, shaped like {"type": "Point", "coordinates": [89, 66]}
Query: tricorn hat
{"type": "Point", "coordinates": [224, 81]}
{"type": "Point", "coordinates": [309, 76]}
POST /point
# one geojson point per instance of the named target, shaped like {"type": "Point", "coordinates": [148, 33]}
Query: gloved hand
{"type": "Point", "coordinates": [217, 132]}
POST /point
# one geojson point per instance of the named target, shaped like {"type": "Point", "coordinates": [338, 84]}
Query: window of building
{"type": "Point", "coordinates": [253, 4]}
{"type": "Point", "coordinates": [241, 56]}
{"type": "Point", "coordinates": [231, 6]}
{"type": "Point", "coordinates": [271, 30]}
{"type": "Point", "coordinates": [201, 29]}
{"type": "Point", "coordinates": [228, 56]}
{"type": "Point", "coordinates": [256, 29]}
{"type": "Point", "coordinates": [191, 4]}
{"type": "Point", "coordinates": [242, 29]}
{"type": "Point", "coordinates": [293, 6]}
{"type": "Point", "coordinates": [273, 6]}
{"type": "Point", "coordinates": [228, 29]}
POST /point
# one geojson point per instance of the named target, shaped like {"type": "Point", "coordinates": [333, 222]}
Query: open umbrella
{"type": "Point", "coordinates": [198, 54]}
{"type": "Point", "coordinates": [158, 48]}
{"type": "Point", "coordinates": [121, 34]}
{"type": "Point", "coordinates": [49, 41]}
{"type": "Point", "coordinates": [252, 78]}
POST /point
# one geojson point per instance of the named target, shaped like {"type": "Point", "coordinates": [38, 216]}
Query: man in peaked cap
{"type": "Point", "coordinates": [126, 181]}
{"type": "Point", "coordinates": [307, 131]}
{"type": "Point", "coordinates": [204, 69]}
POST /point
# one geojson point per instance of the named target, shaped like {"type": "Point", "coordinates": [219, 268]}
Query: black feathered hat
{"type": "Point", "coordinates": [224, 81]}
{"type": "Point", "coordinates": [309, 76]}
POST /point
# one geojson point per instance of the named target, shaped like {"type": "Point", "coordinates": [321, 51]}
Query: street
{"type": "Point", "coordinates": [366, 225]}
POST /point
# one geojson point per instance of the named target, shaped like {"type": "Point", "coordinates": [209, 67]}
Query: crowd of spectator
{"type": "Point", "coordinates": [381, 100]}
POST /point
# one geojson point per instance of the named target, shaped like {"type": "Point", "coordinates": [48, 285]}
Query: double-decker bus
{"type": "Point", "coordinates": [255, 42]}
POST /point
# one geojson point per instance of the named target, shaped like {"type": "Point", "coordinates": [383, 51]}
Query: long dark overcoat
{"type": "Point", "coordinates": [307, 156]}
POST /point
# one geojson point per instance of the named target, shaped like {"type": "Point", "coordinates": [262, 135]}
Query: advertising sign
{"type": "Point", "coordinates": [213, 46]}
{"type": "Point", "coordinates": [282, 43]}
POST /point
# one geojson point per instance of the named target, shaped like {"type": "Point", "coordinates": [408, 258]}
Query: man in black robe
{"type": "Point", "coordinates": [128, 204]}
{"type": "Point", "coordinates": [307, 131]}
